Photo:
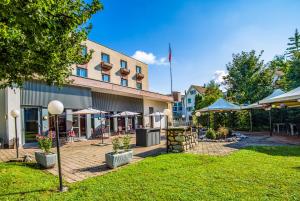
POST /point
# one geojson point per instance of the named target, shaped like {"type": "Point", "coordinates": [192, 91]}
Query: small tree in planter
{"type": "Point", "coordinates": [117, 157]}
{"type": "Point", "coordinates": [45, 158]}
{"type": "Point", "coordinates": [126, 142]}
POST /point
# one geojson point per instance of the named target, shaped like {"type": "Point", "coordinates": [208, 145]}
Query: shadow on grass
{"type": "Point", "coordinates": [152, 152]}
{"type": "Point", "coordinates": [27, 192]}
{"type": "Point", "coordinates": [276, 150]}
{"type": "Point", "coordinates": [25, 164]}
{"type": "Point", "coordinates": [97, 168]}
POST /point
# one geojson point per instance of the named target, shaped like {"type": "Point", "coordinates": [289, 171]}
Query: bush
{"type": "Point", "coordinates": [211, 134]}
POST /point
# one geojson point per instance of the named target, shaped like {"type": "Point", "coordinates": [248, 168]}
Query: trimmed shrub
{"type": "Point", "coordinates": [211, 134]}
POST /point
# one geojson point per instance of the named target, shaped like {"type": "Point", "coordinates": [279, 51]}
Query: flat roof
{"type": "Point", "coordinates": [105, 87]}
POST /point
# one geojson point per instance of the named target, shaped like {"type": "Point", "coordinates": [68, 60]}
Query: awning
{"type": "Point", "coordinates": [221, 105]}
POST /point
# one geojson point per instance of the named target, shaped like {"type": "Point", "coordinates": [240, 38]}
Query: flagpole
{"type": "Point", "coordinates": [170, 61]}
{"type": "Point", "coordinates": [171, 77]}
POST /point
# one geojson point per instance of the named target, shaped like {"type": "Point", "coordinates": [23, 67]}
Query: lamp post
{"type": "Point", "coordinates": [15, 114]}
{"type": "Point", "coordinates": [56, 108]}
{"type": "Point", "coordinates": [183, 117]}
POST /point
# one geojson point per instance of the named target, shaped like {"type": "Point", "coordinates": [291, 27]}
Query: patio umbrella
{"type": "Point", "coordinates": [290, 99]}
{"type": "Point", "coordinates": [91, 111]}
{"type": "Point", "coordinates": [155, 114]}
{"type": "Point", "coordinates": [221, 105]}
{"type": "Point", "coordinates": [126, 114]}
{"type": "Point", "coordinates": [262, 104]}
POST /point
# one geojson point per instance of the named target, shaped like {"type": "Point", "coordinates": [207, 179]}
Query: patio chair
{"type": "Point", "coordinates": [120, 130]}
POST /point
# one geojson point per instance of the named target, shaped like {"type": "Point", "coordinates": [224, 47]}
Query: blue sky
{"type": "Point", "coordinates": [203, 34]}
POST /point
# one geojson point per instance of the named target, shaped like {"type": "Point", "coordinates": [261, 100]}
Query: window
{"type": "Point", "coordinates": [139, 86]}
{"type": "Point", "coordinates": [189, 100]}
{"type": "Point", "coordinates": [123, 64]}
{"type": "Point", "coordinates": [105, 58]}
{"type": "Point", "coordinates": [83, 51]}
{"type": "Point", "coordinates": [105, 78]}
{"type": "Point", "coordinates": [124, 82]}
{"type": "Point", "coordinates": [81, 72]}
{"type": "Point", "coordinates": [138, 69]}
{"type": "Point", "coordinates": [193, 92]}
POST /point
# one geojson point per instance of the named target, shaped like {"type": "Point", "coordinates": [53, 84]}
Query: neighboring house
{"type": "Point", "coordinates": [189, 100]}
{"type": "Point", "coordinates": [110, 81]}
{"type": "Point", "coordinates": [177, 105]}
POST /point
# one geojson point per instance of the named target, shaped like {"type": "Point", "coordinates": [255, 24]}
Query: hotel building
{"type": "Point", "coordinates": [110, 81]}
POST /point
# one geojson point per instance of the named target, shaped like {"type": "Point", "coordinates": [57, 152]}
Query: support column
{"type": "Point", "coordinates": [115, 123]}
{"type": "Point", "coordinates": [126, 124]}
{"type": "Point", "coordinates": [88, 126]}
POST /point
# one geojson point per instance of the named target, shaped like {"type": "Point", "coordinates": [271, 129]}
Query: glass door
{"type": "Point", "coordinates": [31, 124]}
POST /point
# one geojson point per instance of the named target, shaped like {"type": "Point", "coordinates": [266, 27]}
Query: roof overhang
{"type": "Point", "coordinates": [104, 87]}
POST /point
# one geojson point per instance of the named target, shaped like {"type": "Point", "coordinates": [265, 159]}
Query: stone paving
{"type": "Point", "coordinates": [81, 160]}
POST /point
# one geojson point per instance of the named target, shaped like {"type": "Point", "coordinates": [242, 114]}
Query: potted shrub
{"type": "Point", "coordinates": [45, 158]}
{"type": "Point", "coordinates": [119, 157]}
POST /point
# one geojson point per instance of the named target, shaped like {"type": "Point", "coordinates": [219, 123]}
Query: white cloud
{"type": "Point", "coordinates": [219, 76]}
{"type": "Point", "coordinates": [149, 58]}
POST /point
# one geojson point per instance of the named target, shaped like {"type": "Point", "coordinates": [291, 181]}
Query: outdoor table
{"type": "Point", "coordinates": [278, 126]}
{"type": "Point", "coordinates": [292, 126]}
{"type": "Point", "coordinates": [146, 137]}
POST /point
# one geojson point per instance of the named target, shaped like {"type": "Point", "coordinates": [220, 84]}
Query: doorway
{"type": "Point", "coordinates": [31, 124]}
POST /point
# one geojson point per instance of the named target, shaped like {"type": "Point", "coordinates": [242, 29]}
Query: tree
{"type": "Point", "coordinates": [211, 94]}
{"type": "Point", "coordinates": [248, 79]}
{"type": "Point", "coordinates": [293, 73]}
{"type": "Point", "coordinates": [42, 39]}
{"type": "Point", "coordinates": [281, 66]}
{"type": "Point", "coordinates": [294, 44]}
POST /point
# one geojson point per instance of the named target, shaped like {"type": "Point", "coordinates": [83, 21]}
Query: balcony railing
{"type": "Point", "coordinates": [139, 76]}
{"type": "Point", "coordinates": [124, 71]}
{"type": "Point", "coordinates": [106, 66]}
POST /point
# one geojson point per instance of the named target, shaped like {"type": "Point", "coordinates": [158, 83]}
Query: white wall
{"type": "Point", "coordinates": [158, 106]}
{"type": "Point", "coordinates": [12, 101]}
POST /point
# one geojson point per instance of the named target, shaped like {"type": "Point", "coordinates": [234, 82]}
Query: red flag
{"type": "Point", "coordinates": [170, 53]}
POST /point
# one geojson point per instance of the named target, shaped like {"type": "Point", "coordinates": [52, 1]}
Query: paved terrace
{"type": "Point", "coordinates": [81, 160]}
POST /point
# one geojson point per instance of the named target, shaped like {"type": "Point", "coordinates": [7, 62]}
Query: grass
{"type": "Point", "coordinates": [255, 173]}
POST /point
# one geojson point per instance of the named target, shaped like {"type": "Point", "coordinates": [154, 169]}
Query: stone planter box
{"type": "Point", "coordinates": [46, 160]}
{"type": "Point", "coordinates": [115, 160]}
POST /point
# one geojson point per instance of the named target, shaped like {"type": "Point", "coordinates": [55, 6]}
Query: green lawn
{"type": "Point", "coordinates": [257, 173]}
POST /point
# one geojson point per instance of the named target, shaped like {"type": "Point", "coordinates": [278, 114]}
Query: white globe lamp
{"type": "Point", "coordinates": [15, 113]}
{"type": "Point", "coordinates": [55, 107]}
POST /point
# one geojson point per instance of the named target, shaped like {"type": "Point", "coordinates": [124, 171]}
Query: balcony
{"type": "Point", "coordinates": [106, 66]}
{"type": "Point", "coordinates": [124, 71]}
{"type": "Point", "coordinates": [139, 76]}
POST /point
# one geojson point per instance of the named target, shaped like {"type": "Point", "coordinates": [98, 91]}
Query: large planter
{"type": "Point", "coordinates": [114, 160]}
{"type": "Point", "coordinates": [46, 160]}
